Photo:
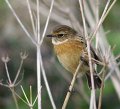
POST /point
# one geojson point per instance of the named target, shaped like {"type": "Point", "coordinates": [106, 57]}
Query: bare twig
{"type": "Point", "coordinates": [14, 97]}
{"type": "Point", "coordinates": [67, 77]}
{"type": "Point", "coordinates": [104, 14]}
{"type": "Point", "coordinates": [39, 59]}
{"type": "Point", "coordinates": [92, 101]}
{"type": "Point", "coordinates": [19, 21]}
{"type": "Point", "coordinates": [102, 86]}
{"type": "Point", "coordinates": [11, 85]}
{"type": "Point", "coordinates": [39, 84]}
{"type": "Point", "coordinates": [55, 16]}
{"type": "Point", "coordinates": [97, 20]}
{"type": "Point", "coordinates": [71, 87]}
{"type": "Point", "coordinates": [30, 101]}
{"type": "Point", "coordinates": [38, 22]}
{"type": "Point", "coordinates": [23, 56]}
{"type": "Point", "coordinates": [47, 85]}
{"type": "Point", "coordinates": [46, 25]}
{"type": "Point", "coordinates": [5, 60]}
{"type": "Point", "coordinates": [31, 17]}
{"type": "Point", "coordinates": [39, 76]}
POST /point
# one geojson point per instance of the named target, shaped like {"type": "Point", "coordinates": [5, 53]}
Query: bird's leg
{"type": "Point", "coordinates": [97, 81]}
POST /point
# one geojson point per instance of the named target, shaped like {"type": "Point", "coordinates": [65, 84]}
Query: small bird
{"type": "Point", "coordinates": [71, 49]}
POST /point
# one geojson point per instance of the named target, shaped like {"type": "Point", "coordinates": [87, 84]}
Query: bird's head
{"type": "Point", "coordinates": [61, 34]}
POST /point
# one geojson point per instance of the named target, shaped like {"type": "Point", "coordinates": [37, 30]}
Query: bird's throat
{"type": "Point", "coordinates": [57, 42]}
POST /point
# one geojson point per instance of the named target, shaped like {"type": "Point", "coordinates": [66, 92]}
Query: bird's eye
{"type": "Point", "coordinates": [60, 35]}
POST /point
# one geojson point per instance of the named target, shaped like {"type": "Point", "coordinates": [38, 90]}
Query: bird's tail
{"type": "Point", "coordinates": [97, 81]}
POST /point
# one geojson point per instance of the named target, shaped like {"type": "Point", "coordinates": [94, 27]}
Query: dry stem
{"type": "Point", "coordinates": [92, 101]}
{"type": "Point", "coordinates": [11, 85]}
{"type": "Point", "coordinates": [19, 21]}
{"type": "Point", "coordinates": [101, 90]}
{"type": "Point", "coordinates": [71, 87]}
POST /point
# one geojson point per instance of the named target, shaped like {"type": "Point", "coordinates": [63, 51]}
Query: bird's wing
{"type": "Point", "coordinates": [93, 53]}
{"type": "Point", "coordinates": [95, 56]}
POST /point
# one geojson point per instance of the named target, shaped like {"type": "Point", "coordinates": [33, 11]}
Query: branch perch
{"type": "Point", "coordinates": [71, 86]}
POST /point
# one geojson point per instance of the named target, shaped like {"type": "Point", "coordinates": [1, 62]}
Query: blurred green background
{"type": "Point", "coordinates": [13, 40]}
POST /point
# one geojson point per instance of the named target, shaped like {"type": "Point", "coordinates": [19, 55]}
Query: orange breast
{"type": "Point", "coordinates": [69, 54]}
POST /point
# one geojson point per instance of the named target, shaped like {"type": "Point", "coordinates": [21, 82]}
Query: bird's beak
{"type": "Point", "coordinates": [50, 35]}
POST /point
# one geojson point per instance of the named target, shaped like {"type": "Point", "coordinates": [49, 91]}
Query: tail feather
{"type": "Point", "coordinates": [97, 81]}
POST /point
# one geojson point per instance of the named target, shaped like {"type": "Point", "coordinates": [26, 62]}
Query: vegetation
{"type": "Point", "coordinates": [24, 50]}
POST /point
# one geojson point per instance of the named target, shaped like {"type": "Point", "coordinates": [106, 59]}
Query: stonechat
{"type": "Point", "coordinates": [70, 46]}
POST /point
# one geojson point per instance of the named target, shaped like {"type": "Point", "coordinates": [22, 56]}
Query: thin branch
{"type": "Point", "coordinates": [55, 16]}
{"type": "Point", "coordinates": [25, 95]}
{"type": "Point", "coordinates": [4, 85]}
{"type": "Point", "coordinates": [67, 77]}
{"type": "Point", "coordinates": [39, 76]}
{"type": "Point", "coordinates": [19, 21]}
{"type": "Point", "coordinates": [88, 14]}
{"type": "Point", "coordinates": [23, 56]}
{"type": "Point", "coordinates": [104, 14]}
{"type": "Point", "coordinates": [14, 97]}
{"type": "Point", "coordinates": [47, 85]}
{"type": "Point", "coordinates": [83, 18]}
{"type": "Point", "coordinates": [21, 98]}
{"type": "Point", "coordinates": [39, 84]}
{"type": "Point", "coordinates": [8, 74]}
{"type": "Point", "coordinates": [110, 7]}
{"type": "Point", "coordinates": [100, 21]}
{"type": "Point", "coordinates": [31, 95]}
{"type": "Point", "coordinates": [102, 86]}
{"type": "Point", "coordinates": [112, 65]}
{"type": "Point", "coordinates": [5, 60]}
{"type": "Point", "coordinates": [31, 17]}
{"type": "Point", "coordinates": [38, 22]}
{"type": "Point", "coordinates": [46, 25]}
{"type": "Point", "coordinates": [39, 56]}
{"type": "Point", "coordinates": [27, 102]}
{"type": "Point", "coordinates": [113, 69]}
{"type": "Point", "coordinates": [101, 71]}
{"type": "Point", "coordinates": [35, 100]}
{"type": "Point", "coordinates": [97, 20]}
{"type": "Point", "coordinates": [36, 97]}
{"type": "Point", "coordinates": [92, 101]}
{"type": "Point", "coordinates": [18, 72]}
{"type": "Point", "coordinates": [71, 87]}
{"type": "Point", "coordinates": [96, 61]}
{"type": "Point", "coordinates": [10, 84]}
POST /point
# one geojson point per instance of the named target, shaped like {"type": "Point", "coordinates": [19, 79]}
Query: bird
{"type": "Point", "coordinates": [71, 49]}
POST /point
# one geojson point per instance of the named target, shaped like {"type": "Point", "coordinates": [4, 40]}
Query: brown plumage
{"type": "Point", "coordinates": [70, 47]}
{"type": "Point", "coordinates": [69, 54]}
